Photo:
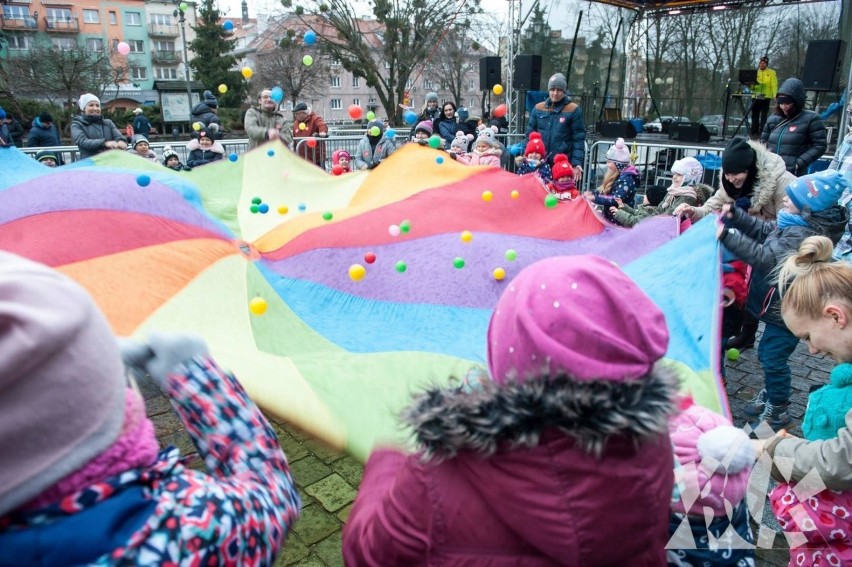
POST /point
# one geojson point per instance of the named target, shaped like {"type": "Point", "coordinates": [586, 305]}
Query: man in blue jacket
{"type": "Point", "coordinates": [43, 134]}
{"type": "Point", "coordinates": [560, 123]}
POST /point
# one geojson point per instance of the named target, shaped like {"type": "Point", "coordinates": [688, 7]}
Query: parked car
{"type": "Point", "coordinates": [713, 123]}
{"type": "Point", "coordinates": [661, 124]}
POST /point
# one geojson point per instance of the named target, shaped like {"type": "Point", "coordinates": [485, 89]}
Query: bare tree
{"type": "Point", "coordinates": [283, 66]}
{"type": "Point", "coordinates": [456, 57]}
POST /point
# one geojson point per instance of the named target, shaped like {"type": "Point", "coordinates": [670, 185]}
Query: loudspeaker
{"type": "Point", "coordinates": [616, 129]}
{"type": "Point", "coordinates": [689, 132]}
{"type": "Point", "coordinates": [822, 64]}
{"type": "Point", "coordinates": [527, 75]}
{"type": "Point", "coordinates": [489, 72]}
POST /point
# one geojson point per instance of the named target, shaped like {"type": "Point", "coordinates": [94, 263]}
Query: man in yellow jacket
{"type": "Point", "coordinates": [764, 91]}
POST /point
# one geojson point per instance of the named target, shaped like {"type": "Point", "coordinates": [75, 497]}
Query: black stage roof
{"type": "Point", "coordinates": [676, 7]}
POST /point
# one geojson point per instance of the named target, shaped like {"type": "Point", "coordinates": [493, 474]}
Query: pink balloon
{"type": "Point", "coordinates": [123, 48]}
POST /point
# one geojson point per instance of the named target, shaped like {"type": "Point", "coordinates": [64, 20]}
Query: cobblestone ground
{"type": "Point", "coordinates": [328, 480]}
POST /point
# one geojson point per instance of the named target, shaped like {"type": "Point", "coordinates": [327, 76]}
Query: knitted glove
{"type": "Point", "coordinates": [744, 203]}
{"type": "Point", "coordinates": [163, 353]}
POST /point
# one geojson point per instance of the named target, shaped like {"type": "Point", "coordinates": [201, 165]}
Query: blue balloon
{"type": "Point", "coordinates": [390, 133]}
{"type": "Point", "coordinates": [232, 157]}
{"type": "Point", "coordinates": [263, 208]}
{"type": "Point", "coordinates": [409, 116]}
{"type": "Point", "coordinates": [143, 180]}
{"type": "Point", "coordinates": [310, 37]}
{"type": "Point", "coordinates": [277, 94]}
{"type": "Point", "coordinates": [228, 25]}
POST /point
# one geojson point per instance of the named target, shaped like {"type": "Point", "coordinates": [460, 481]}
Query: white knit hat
{"type": "Point", "coordinates": [690, 168]}
{"type": "Point", "coordinates": [618, 152]}
{"type": "Point", "coordinates": [86, 99]}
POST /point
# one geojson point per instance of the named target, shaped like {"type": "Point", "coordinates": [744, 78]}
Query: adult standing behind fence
{"type": "Point", "coordinates": [141, 124]}
{"type": "Point", "coordinates": [560, 123]}
{"type": "Point", "coordinates": [16, 131]}
{"type": "Point", "coordinates": [429, 112]}
{"type": "Point", "coordinates": [266, 122]}
{"type": "Point", "coordinates": [764, 91]}
{"type": "Point", "coordinates": [206, 112]}
{"type": "Point", "coordinates": [307, 124]}
{"type": "Point", "coordinates": [93, 133]}
{"type": "Point", "coordinates": [795, 134]}
{"type": "Point", "coordinates": [43, 134]}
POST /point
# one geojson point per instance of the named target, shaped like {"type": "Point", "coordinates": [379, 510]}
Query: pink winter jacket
{"type": "Point", "coordinates": [473, 158]}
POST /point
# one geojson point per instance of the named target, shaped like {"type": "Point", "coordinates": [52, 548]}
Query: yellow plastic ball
{"type": "Point", "coordinates": [223, 88]}
{"type": "Point", "coordinates": [303, 126]}
{"type": "Point", "coordinates": [283, 210]}
{"type": "Point", "coordinates": [357, 272]}
{"type": "Point", "coordinates": [515, 194]}
{"type": "Point", "coordinates": [466, 236]}
{"type": "Point", "coordinates": [497, 89]}
{"type": "Point", "coordinates": [487, 196]}
{"type": "Point", "coordinates": [499, 274]}
{"type": "Point", "coordinates": [258, 306]}
{"type": "Point", "coordinates": [247, 72]}
{"type": "Point", "coordinates": [197, 126]}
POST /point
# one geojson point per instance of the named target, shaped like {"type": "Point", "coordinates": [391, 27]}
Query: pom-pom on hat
{"type": "Point", "coordinates": [711, 452]}
{"type": "Point", "coordinates": [62, 383]}
{"type": "Point", "coordinates": [575, 315]}
{"type": "Point", "coordinates": [210, 100]}
{"type": "Point", "coordinates": [618, 152]}
{"type": "Point", "coordinates": [561, 167]}
{"type": "Point", "coordinates": [690, 168]}
{"type": "Point", "coordinates": [535, 145]}
{"type": "Point", "coordinates": [423, 126]}
{"type": "Point", "coordinates": [817, 191]}
{"type": "Point", "coordinates": [557, 81]}
{"type": "Point", "coordinates": [86, 99]}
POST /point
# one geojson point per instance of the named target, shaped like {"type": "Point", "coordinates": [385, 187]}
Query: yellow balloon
{"type": "Point", "coordinates": [499, 274]}
{"type": "Point", "coordinates": [303, 126]}
{"type": "Point", "coordinates": [515, 194]}
{"type": "Point", "coordinates": [223, 88]}
{"type": "Point", "coordinates": [357, 272]}
{"type": "Point", "coordinates": [247, 72]}
{"type": "Point", "coordinates": [258, 306]}
{"type": "Point", "coordinates": [466, 236]}
{"type": "Point", "coordinates": [487, 196]}
{"type": "Point", "coordinates": [282, 210]}
{"type": "Point", "coordinates": [497, 89]}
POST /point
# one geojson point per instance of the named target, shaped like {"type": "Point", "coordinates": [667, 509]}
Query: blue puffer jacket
{"type": "Point", "coordinates": [41, 136]}
{"type": "Point", "coordinates": [561, 127]}
{"type": "Point", "coordinates": [800, 140]}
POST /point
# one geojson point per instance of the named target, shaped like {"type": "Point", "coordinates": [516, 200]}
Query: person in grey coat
{"type": "Point", "coordinates": [795, 134]}
{"type": "Point", "coordinates": [374, 147]}
{"type": "Point", "coordinates": [92, 132]}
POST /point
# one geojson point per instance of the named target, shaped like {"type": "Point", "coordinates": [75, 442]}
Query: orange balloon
{"type": "Point", "coordinates": [500, 111]}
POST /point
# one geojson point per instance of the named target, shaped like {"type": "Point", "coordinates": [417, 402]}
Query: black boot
{"type": "Point", "coordinates": [745, 338]}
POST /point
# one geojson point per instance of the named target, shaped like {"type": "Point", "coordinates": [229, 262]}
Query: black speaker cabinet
{"type": "Point", "coordinates": [527, 75]}
{"type": "Point", "coordinates": [489, 73]}
{"type": "Point", "coordinates": [689, 132]}
{"type": "Point", "coordinates": [822, 64]}
{"type": "Point", "coordinates": [617, 129]}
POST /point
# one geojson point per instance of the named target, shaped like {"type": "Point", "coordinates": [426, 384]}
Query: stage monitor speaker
{"type": "Point", "coordinates": [689, 132]}
{"type": "Point", "coordinates": [617, 129]}
{"type": "Point", "coordinates": [489, 72]}
{"type": "Point", "coordinates": [527, 75]}
{"type": "Point", "coordinates": [822, 64]}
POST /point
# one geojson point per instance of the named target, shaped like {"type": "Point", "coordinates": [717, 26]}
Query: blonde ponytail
{"type": "Point", "coordinates": [808, 278]}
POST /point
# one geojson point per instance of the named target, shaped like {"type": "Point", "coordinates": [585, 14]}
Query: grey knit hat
{"type": "Point", "coordinates": [431, 97]}
{"type": "Point", "coordinates": [557, 81]}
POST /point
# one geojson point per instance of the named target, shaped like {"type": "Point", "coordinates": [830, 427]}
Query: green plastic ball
{"type": "Point", "coordinates": [458, 263]}
{"type": "Point", "coordinates": [511, 255]}
{"type": "Point", "coordinates": [256, 201]}
{"type": "Point", "coordinates": [733, 354]}
{"type": "Point", "coordinates": [183, 6]}
{"type": "Point", "coordinates": [551, 201]}
{"type": "Point", "coordinates": [400, 266]}
{"type": "Point", "coordinates": [254, 208]}
{"type": "Point", "coordinates": [327, 215]}
{"type": "Point", "coordinates": [375, 131]}
{"type": "Point", "coordinates": [434, 141]}
{"type": "Point", "coordinates": [405, 226]}
{"type": "Point", "coordinates": [371, 115]}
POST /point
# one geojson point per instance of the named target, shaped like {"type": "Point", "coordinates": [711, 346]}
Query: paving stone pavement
{"type": "Point", "coordinates": [328, 481]}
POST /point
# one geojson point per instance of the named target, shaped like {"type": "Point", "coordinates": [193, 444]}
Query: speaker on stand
{"type": "Point", "coordinates": [527, 75]}
{"type": "Point", "coordinates": [689, 132]}
{"type": "Point", "coordinates": [822, 64]}
{"type": "Point", "coordinates": [489, 73]}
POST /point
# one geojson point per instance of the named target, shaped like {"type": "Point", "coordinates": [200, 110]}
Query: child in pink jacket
{"type": "Point", "coordinates": [484, 151]}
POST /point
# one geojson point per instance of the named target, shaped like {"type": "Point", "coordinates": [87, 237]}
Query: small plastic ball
{"type": "Point", "coordinates": [247, 72]}
{"type": "Point", "coordinates": [439, 160]}
{"type": "Point", "coordinates": [336, 169]}
{"type": "Point", "coordinates": [499, 274]}
{"type": "Point", "coordinates": [400, 267]}
{"type": "Point", "coordinates": [497, 89]}
{"type": "Point", "coordinates": [283, 209]}
{"type": "Point", "coordinates": [434, 141]}
{"type": "Point", "coordinates": [277, 94]}
{"type": "Point", "coordinates": [500, 111]}
{"type": "Point", "coordinates": [355, 111]}
{"type": "Point", "coordinates": [551, 201]}
{"type": "Point", "coordinates": [303, 207]}
{"type": "Point", "coordinates": [307, 60]}
{"type": "Point", "coordinates": [487, 196]}
{"type": "Point", "coordinates": [405, 226]}
{"type": "Point", "coordinates": [390, 133]}
{"type": "Point", "coordinates": [228, 25]}
{"type": "Point", "coordinates": [733, 354]}
{"type": "Point", "coordinates": [369, 257]}
{"type": "Point", "coordinates": [233, 157]}
{"type": "Point", "coordinates": [409, 117]}
{"type": "Point", "coordinates": [254, 209]}
{"type": "Point", "coordinates": [197, 126]}
{"type": "Point", "coordinates": [357, 272]}
{"type": "Point", "coordinates": [256, 200]}
{"type": "Point", "coordinates": [458, 263]}
{"type": "Point", "coordinates": [327, 215]}
{"type": "Point", "coordinates": [393, 230]}
{"type": "Point", "coordinates": [258, 306]}
{"type": "Point", "coordinates": [223, 88]}
{"type": "Point", "coordinates": [143, 180]}
{"type": "Point", "coordinates": [375, 131]}
{"type": "Point", "coordinates": [466, 236]}
{"type": "Point", "coordinates": [371, 115]}
{"type": "Point", "coordinates": [511, 255]}
{"type": "Point", "coordinates": [183, 6]}
{"type": "Point", "coordinates": [311, 142]}
{"type": "Point", "coordinates": [310, 37]}
{"type": "Point", "coordinates": [264, 208]}
{"type": "Point", "coordinates": [515, 194]}
{"type": "Point", "coordinates": [270, 153]}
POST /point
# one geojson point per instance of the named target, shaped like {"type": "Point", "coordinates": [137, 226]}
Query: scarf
{"type": "Point", "coordinates": [787, 219]}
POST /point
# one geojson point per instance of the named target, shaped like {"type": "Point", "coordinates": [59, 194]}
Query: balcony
{"type": "Point", "coordinates": [26, 23]}
{"type": "Point", "coordinates": [160, 30]}
{"type": "Point", "coordinates": [65, 25]}
{"type": "Point", "coordinates": [168, 57]}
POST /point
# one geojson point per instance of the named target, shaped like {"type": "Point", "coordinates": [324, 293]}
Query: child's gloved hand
{"type": "Point", "coordinates": [161, 355]}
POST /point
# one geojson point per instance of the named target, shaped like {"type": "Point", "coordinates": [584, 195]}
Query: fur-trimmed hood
{"type": "Point", "coordinates": [769, 168]}
{"type": "Point", "coordinates": [446, 421]}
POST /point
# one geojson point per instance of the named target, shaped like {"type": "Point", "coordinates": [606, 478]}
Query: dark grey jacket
{"type": "Point", "coordinates": [800, 140]}
{"type": "Point", "coordinates": [201, 112]}
{"type": "Point", "coordinates": [763, 246]}
{"type": "Point", "coordinates": [90, 133]}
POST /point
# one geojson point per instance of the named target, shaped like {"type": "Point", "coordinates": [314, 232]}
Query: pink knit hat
{"type": "Point", "coordinates": [710, 451]}
{"type": "Point", "coordinates": [578, 315]}
{"type": "Point", "coordinates": [62, 384]}
{"type": "Point", "coordinates": [618, 152]}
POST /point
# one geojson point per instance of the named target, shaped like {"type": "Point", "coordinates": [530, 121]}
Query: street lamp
{"type": "Point", "coordinates": [180, 14]}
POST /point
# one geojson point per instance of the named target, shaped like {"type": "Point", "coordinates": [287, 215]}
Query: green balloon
{"type": "Point", "coordinates": [401, 267]}
{"type": "Point", "coordinates": [307, 60]}
{"type": "Point", "coordinates": [254, 208]}
{"type": "Point", "coordinates": [327, 215]}
{"type": "Point", "coordinates": [405, 226]}
{"type": "Point", "coordinates": [256, 201]}
{"type": "Point", "coordinates": [458, 263]}
{"type": "Point", "coordinates": [434, 141]}
{"type": "Point", "coordinates": [511, 255]}
{"type": "Point", "coordinates": [183, 6]}
{"type": "Point", "coordinates": [375, 131]}
{"type": "Point", "coordinates": [551, 201]}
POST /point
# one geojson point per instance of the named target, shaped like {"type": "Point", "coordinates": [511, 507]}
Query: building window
{"type": "Point", "coordinates": [58, 15]}
{"type": "Point", "coordinates": [336, 104]}
{"type": "Point", "coordinates": [91, 16]}
{"type": "Point", "coordinates": [165, 73]}
{"type": "Point", "coordinates": [335, 62]}
{"type": "Point", "coordinates": [136, 45]}
{"type": "Point", "coordinates": [138, 73]}
{"type": "Point", "coordinates": [335, 82]}
{"type": "Point", "coordinates": [16, 12]}
{"type": "Point", "coordinates": [408, 84]}
{"type": "Point", "coordinates": [64, 43]}
{"type": "Point", "coordinates": [164, 45]}
{"type": "Point", "coordinates": [161, 19]}
{"type": "Point", "coordinates": [471, 85]}
{"type": "Point", "coordinates": [95, 44]}
{"type": "Point", "coordinates": [472, 103]}
{"type": "Point", "coordinates": [18, 42]}
{"type": "Point", "coordinates": [112, 19]}
{"type": "Point", "coordinates": [133, 19]}
{"type": "Point", "coordinates": [356, 101]}
{"type": "Point", "coordinates": [428, 84]}
{"type": "Point", "coordinates": [356, 82]}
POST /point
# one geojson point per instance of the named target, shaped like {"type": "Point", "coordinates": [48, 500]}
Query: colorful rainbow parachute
{"type": "Point", "coordinates": [337, 357]}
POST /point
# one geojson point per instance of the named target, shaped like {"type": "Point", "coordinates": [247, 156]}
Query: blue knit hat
{"type": "Point", "coordinates": [827, 406]}
{"type": "Point", "coordinates": [817, 191]}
